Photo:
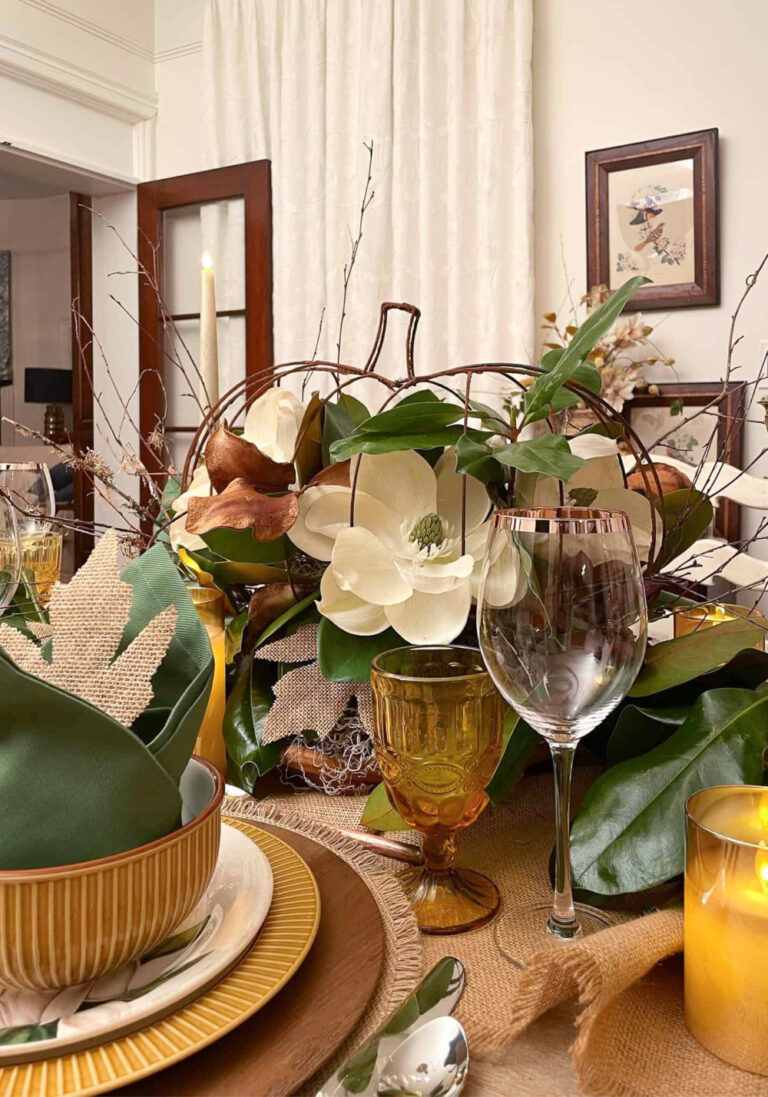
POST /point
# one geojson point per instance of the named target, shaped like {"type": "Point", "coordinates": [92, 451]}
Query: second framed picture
{"type": "Point", "coordinates": [652, 210]}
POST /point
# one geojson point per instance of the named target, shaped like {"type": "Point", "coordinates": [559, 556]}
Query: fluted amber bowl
{"type": "Point", "coordinates": [64, 926]}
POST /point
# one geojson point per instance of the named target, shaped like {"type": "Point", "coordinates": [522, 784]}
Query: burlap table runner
{"type": "Point", "coordinates": [631, 1039]}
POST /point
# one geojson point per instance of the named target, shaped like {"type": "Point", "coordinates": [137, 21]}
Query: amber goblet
{"type": "Point", "coordinates": [438, 738]}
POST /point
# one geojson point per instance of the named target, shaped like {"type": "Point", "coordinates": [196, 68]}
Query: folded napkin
{"type": "Point", "coordinates": [87, 768]}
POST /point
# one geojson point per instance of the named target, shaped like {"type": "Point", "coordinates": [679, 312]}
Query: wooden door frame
{"type": "Point", "coordinates": [81, 287]}
{"type": "Point", "coordinates": [250, 181]}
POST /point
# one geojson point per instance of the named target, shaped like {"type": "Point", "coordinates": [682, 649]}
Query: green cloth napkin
{"type": "Point", "coordinates": [75, 785]}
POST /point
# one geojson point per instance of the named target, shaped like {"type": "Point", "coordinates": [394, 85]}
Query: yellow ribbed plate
{"type": "Point", "coordinates": [285, 939]}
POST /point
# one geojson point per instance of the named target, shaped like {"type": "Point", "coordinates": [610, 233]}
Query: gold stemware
{"type": "Point", "coordinates": [438, 738]}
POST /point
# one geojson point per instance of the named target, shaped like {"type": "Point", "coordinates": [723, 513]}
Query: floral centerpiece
{"type": "Point", "coordinates": [338, 533]}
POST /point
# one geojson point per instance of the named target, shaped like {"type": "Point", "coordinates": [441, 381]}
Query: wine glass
{"type": "Point", "coordinates": [10, 553]}
{"type": "Point", "coordinates": [562, 623]}
{"type": "Point", "coordinates": [28, 488]}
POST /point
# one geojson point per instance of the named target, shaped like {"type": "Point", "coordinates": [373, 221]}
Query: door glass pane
{"type": "Point", "coordinates": [188, 231]}
{"type": "Point", "coordinates": [178, 447]}
{"type": "Point", "coordinates": [182, 410]}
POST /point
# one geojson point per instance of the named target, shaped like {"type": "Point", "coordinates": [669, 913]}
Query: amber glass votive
{"type": "Point", "coordinates": [209, 604]}
{"type": "Point", "coordinates": [696, 618]}
{"type": "Point", "coordinates": [726, 923]}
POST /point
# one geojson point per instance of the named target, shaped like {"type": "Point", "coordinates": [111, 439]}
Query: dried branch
{"type": "Point", "coordinates": [349, 267]}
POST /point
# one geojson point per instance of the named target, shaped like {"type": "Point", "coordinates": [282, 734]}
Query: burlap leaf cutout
{"type": "Point", "coordinates": [304, 699]}
{"type": "Point", "coordinates": [87, 619]}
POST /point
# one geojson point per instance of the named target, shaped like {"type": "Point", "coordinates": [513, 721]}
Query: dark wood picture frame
{"type": "Point", "coordinates": [727, 522]}
{"type": "Point", "coordinates": [250, 181]}
{"type": "Point", "coordinates": [702, 148]}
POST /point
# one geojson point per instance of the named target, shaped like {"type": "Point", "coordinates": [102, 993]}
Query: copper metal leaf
{"type": "Point", "coordinates": [229, 457]}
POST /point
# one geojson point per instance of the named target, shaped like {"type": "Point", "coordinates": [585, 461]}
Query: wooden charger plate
{"type": "Point", "coordinates": [287, 1041]}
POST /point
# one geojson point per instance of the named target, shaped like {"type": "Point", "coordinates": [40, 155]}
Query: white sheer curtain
{"type": "Point", "coordinates": [443, 88]}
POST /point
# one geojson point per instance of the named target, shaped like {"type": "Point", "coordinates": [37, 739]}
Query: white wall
{"type": "Point", "coordinates": [36, 232]}
{"type": "Point", "coordinates": [77, 81]}
{"type": "Point", "coordinates": [178, 76]}
{"type": "Point", "coordinates": [609, 74]}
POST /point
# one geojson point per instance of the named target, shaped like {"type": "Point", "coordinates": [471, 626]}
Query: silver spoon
{"type": "Point", "coordinates": [431, 1062]}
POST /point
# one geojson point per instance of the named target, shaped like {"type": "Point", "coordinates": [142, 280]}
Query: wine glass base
{"type": "Point", "coordinates": [451, 900]}
{"type": "Point", "coordinates": [588, 920]}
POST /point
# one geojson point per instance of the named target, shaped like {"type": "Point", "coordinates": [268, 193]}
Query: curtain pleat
{"type": "Point", "coordinates": [443, 88]}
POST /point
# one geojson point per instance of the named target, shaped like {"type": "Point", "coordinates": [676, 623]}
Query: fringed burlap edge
{"type": "Point", "coordinates": [404, 957]}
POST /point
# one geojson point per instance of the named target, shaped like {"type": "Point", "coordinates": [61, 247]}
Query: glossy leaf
{"type": "Point", "coordinates": [233, 635]}
{"type": "Point", "coordinates": [360, 442]}
{"type": "Point", "coordinates": [596, 325]}
{"type": "Point", "coordinates": [586, 375]}
{"type": "Point", "coordinates": [288, 615]}
{"type": "Point", "coordinates": [629, 833]}
{"type": "Point", "coordinates": [345, 658]}
{"type": "Point", "coordinates": [378, 813]}
{"type": "Point", "coordinates": [241, 546]}
{"type": "Point", "coordinates": [210, 569]}
{"type": "Point", "coordinates": [549, 455]}
{"type": "Point", "coordinates": [680, 660]}
{"type": "Point", "coordinates": [341, 419]}
{"type": "Point", "coordinates": [246, 714]}
{"type": "Point", "coordinates": [413, 417]}
{"type": "Point", "coordinates": [521, 741]}
{"type": "Point", "coordinates": [309, 456]}
{"type": "Point", "coordinates": [637, 731]}
{"type": "Point", "coordinates": [688, 514]}
{"type": "Point", "coordinates": [28, 1034]}
{"type": "Point", "coordinates": [477, 459]}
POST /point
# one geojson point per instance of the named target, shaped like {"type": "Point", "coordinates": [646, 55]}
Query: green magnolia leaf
{"type": "Point", "coordinates": [491, 418]}
{"type": "Point", "coordinates": [240, 545]}
{"type": "Point", "coordinates": [233, 636]}
{"type": "Point", "coordinates": [345, 658]}
{"type": "Point", "coordinates": [284, 618]}
{"type": "Point", "coordinates": [586, 375]}
{"type": "Point", "coordinates": [25, 605]}
{"type": "Point", "coordinates": [594, 328]}
{"type": "Point", "coordinates": [550, 455]}
{"type": "Point", "coordinates": [226, 573]}
{"type": "Point", "coordinates": [378, 813]}
{"type": "Point", "coordinates": [688, 514]}
{"type": "Point", "coordinates": [171, 491]}
{"type": "Point", "coordinates": [361, 442]}
{"type": "Point", "coordinates": [341, 420]}
{"type": "Point", "coordinates": [176, 941]}
{"type": "Point", "coordinates": [246, 714]}
{"type": "Point", "coordinates": [29, 1034]}
{"type": "Point", "coordinates": [477, 459]}
{"type": "Point", "coordinates": [427, 995]}
{"type": "Point", "coordinates": [637, 731]}
{"type": "Point", "coordinates": [629, 833]}
{"type": "Point", "coordinates": [686, 657]}
{"type": "Point", "coordinates": [413, 417]}
{"type": "Point", "coordinates": [521, 741]}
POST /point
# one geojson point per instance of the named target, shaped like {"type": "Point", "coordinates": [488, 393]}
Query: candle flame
{"type": "Point", "coordinates": [207, 260]}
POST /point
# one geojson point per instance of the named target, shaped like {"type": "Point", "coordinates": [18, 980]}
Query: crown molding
{"type": "Point", "coordinates": [43, 70]}
{"type": "Point", "coordinates": [89, 27]}
{"type": "Point", "coordinates": [178, 51]}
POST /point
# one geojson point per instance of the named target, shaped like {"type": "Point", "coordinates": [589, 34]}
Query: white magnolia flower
{"type": "Point", "coordinates": [401, 564]}
{"type": "Point", "coordinates": [200, 487]}
{"type": "Point", "coordinates": [272, 424]}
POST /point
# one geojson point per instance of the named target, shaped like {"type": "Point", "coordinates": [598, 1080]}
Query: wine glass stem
{"type": "Point", "coordinates": [562, 921]}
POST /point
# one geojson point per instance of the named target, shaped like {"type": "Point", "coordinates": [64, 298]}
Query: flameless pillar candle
{"type": "Point", "coordinates": [726, 923]}
{"type": "Point", "coordinates": [209, 351]}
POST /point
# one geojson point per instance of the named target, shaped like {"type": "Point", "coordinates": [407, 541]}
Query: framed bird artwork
{"type": "Point", "coordinates": [652, 210]}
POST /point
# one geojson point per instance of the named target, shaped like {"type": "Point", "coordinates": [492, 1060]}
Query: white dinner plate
{"type": "Point", "coordinates": [210, 941]}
